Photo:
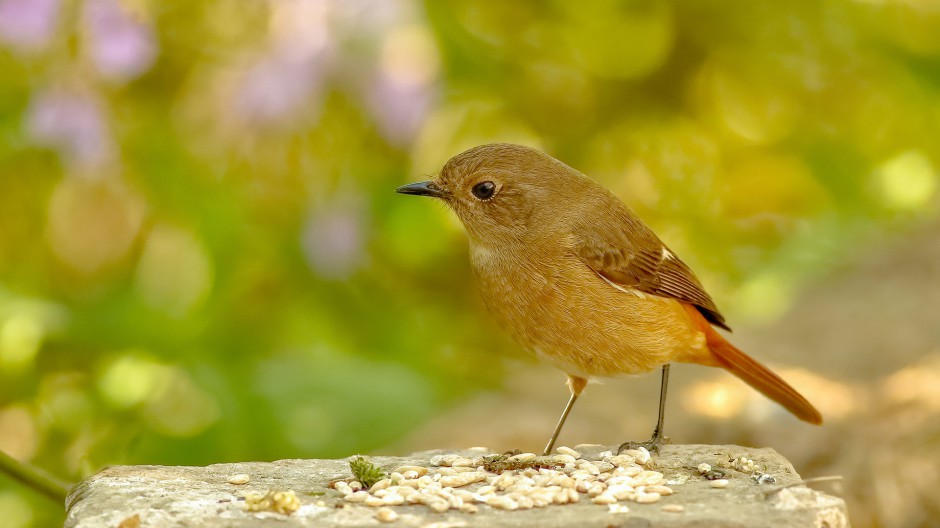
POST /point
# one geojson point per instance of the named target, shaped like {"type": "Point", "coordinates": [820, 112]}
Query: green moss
{"type": "Point", "coordinates": [366, 472]}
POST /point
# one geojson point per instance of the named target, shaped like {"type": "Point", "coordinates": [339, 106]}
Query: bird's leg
{"type": "Point", "coordinates": [575, 385]}
{"type": "Point", "coordinates": [658, 437]}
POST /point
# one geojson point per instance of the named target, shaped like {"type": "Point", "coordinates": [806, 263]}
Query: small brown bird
{"type": "Point", "coordinates": [580, 281]}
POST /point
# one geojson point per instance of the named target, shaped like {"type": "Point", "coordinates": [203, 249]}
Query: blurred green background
{"type": "Point", "coordinates": [202, 258]}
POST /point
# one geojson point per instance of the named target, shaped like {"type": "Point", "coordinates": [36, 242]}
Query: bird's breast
{"type": "Point", "coordinates": [561, 310]}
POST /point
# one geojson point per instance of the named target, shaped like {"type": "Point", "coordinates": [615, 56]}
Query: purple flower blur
{"type": "Point", "coordinates": [121, 47]}
{"type": "Point", "coordinates": [276, 87]}
{"type": "Point", "coordinates": [333, 239]}
{"type": "Point", "coordinates": [28, 25]}
{"type": "Point", "coordinates": [73, 124]}
{"type": "Point", "coordinates": [399, 108]}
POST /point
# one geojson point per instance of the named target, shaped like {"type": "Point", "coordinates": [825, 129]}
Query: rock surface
{"type": "Point", "coordinates": [171, 496]}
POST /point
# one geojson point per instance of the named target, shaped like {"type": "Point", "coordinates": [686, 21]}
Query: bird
{"type": "Point", "coordinates": [578, 280]}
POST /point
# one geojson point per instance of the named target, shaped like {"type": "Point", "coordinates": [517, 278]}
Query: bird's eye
{"type": "Point", "coordinates": [484, 190]}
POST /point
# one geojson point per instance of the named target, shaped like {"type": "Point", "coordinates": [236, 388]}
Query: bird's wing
{"type": "Point", "coordinates": [637, 259]}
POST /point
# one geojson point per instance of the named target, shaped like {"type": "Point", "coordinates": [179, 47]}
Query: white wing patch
{"type": "Point", "coordinates": [667, 254]}
{"type": "Point", "coordinates": [633, 291]}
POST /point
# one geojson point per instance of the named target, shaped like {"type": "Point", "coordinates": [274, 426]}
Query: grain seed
{"type": "Point", "coordinates": [239, 479]}
{"type": "Point", "coordinates": [647, 498]}
{"type": "Point", "coordinates": [419, 470]}
{"type": "Point", "coordinates": [502, 502]}
{"type": "Point", "coordinates": [604, 498]}
{"type": "Point", "coordinates": [357, 496]}
{"type": "Point", "coordinates": [462, 479]}
{"type": "Point", "coordinates": [393, 499]}
{"type": "Point", "coordinates": [380, 485]}
{"type": "Point", "coordinates": [386, 515]}
{"type": "Point", "coordinates": [659, 488]}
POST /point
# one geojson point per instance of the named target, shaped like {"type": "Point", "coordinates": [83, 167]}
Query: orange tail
{"type": "Point", "coordinates": [727, 356]}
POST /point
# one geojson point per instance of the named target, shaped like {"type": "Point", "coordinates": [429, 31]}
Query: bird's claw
{"type": "Point", "coordinates": [652, 445]}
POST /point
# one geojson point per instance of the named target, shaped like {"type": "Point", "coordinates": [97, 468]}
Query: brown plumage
{"type": "Point", "coordinates": [579, 280]}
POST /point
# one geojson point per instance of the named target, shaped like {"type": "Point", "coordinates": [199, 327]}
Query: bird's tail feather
{"type": "Point", "coordinates": [729, 357]}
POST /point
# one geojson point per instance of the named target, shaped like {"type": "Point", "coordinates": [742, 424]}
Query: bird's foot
{"type": "Point", "coordinates": [652, 445]}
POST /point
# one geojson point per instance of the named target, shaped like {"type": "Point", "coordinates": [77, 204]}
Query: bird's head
{"type": "Point", "coordinates": [502, 191]}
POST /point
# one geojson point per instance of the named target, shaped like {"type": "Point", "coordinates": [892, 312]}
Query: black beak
{"type": "Point", "coordinates": [425, 188]}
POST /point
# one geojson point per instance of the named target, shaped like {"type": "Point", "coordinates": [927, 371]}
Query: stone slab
{"type": "Point", "coordinates": [180, 496]}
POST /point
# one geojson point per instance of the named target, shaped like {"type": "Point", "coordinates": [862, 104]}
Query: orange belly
{"type": "Point", "coordinates": [569, 316]}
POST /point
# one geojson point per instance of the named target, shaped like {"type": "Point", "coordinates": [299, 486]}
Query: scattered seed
{"type": "Point", "coordinates": [440, 506]}
{"type": "Point", "coordinates": [444, 460]}
{"type": "Point", "coordinates": [380, 485]}
{"type": "Point", "coordinates": [522, 481]}
{"type": "Point", "coordinates": [596, 489]}
{"type": "Point", "coordinates": [719, 483]}
{"type": "Point", "coordinates": [465, 463]}
{"type": "Point", "coordinates": [619, 481]}
{"type": "Point", "coordinates": [411, 483]}
{"type": "Point", "coordinates": [620, 460]}
{"type": "Point", "coordinates": [502, 502]}
{"type": "Point", "coordinates": [374, 501]}
{"type": "Point", "coordinates": [239, 479]}
{"type": "Point", "coordinates": [673, 508]}
{"type": "Point", "coordinates": [342, 487]}
{"type": "Point", "coordinates": [573, 495]}
{"type": "Point", "coordinates": [357, 496]}
{"type": "Point", "coordinates": [386, 515]}
{"type": "Point", "coordinates": [404, 491]}
{"type": "Point", "coordinates": [648, 478]}
{"type": "Point", "coordinates": [393, 499]}
{"type": "Point", "coordinates": [658, 488]}
{"type": "Point", "coordinates": [647, 498]}
{"type": "Point", "coordinates": [604, 498]}
{"type": "Point", "coordinates": [524, 501]}
{"type": "Point", "coordinates": [464, 495]}
{"type": "Point", "coordinates": [590, 467]}
{"type": "Point", "coordinates": [744, 464]}
{"type": "Point", "coordinates": [622, 492]}
{"type": "Point", "coordinates": [618, 508]}
{"type": "Point", "coordinates": [419, 471]}
{"type": "Point", "coordinates": [630, 471]}
{"type": "Point", "coordinates": [462, 479]}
